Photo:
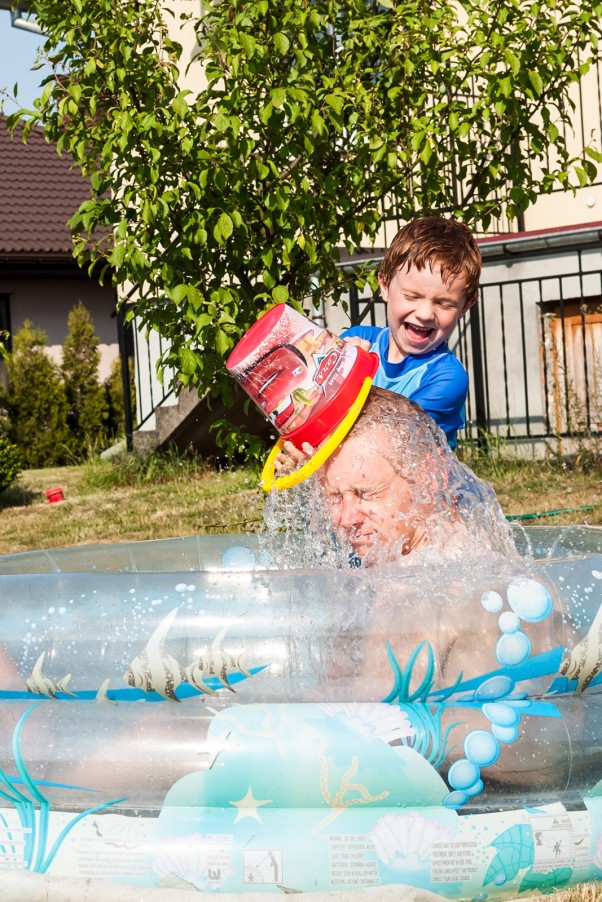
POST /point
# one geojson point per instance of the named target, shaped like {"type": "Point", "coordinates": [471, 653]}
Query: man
{"type": "Point", "coordinates": [394, 488]}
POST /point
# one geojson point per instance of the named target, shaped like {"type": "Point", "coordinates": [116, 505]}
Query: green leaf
{"type": "Point", "coordinates": [281, 43]}
{"type": "Point", "coordinates": [278, 97]}
{"type": "Point", "coordinates": [225, 225]}
{"type": "Point", "coordinates": [178, 293]}
{"type": "Point", "coordinates": [222, 342]}
{"type": "Point", "coordinates": [505, 85]}
{"type": "Point", "coordinates": [536, 80]}
{"type": "Point", "coordinates": [336, 102]}
{"type": "Point", "coordinates": [280, 294]}
{"type": "Point", "coordinates": [179, 104]}
{"type": "Point", "coordinates": [188, 361]}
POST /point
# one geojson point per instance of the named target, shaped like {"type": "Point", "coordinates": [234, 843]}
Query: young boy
{"type": "Point", "coordinates": [429, 278]}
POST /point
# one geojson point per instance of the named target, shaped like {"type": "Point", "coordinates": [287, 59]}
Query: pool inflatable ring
{"type": "Point", "coordinates": [179, 709]}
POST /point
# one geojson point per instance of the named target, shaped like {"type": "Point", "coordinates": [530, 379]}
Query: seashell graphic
{"type": "Point", "coordinates": [119, 831]}
{"type": "Point", "coordinates": [381, 721]}
{"type": "Point", "coordinates": [406, 841]}
{"type": "Point", "coordinates": [191, 858]}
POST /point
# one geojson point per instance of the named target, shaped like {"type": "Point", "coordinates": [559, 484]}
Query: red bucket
{"type": "Point", "coordinates": [54, 495]}
{"type": "Point", "coordinates": [303, 378]}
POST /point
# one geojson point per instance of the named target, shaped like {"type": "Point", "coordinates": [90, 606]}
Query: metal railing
{"type": "Point", "coordinates": [533, 350]}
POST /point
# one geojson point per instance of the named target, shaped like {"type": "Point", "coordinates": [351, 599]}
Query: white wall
{"type": "Point", "coordinates": [47, 303]}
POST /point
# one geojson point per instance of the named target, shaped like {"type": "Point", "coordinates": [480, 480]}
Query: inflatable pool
{"type": "Point", "coordinates": [181, 709]}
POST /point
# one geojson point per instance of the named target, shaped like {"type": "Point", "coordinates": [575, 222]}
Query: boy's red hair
{"type": "Point", "coordinates": [434, 241]}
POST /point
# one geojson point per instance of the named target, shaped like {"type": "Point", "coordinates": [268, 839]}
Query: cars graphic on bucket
{"type": "Point", "coordinates": [300, 375]}
{"type": "Point", "coordinates": [309, 383]}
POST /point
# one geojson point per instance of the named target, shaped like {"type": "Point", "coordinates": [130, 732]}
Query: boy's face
{"type": "Point", "coordinates": [422, 310]}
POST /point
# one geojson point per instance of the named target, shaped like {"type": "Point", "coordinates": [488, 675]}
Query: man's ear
{"type": "Point", "coordinates": [384, 288]}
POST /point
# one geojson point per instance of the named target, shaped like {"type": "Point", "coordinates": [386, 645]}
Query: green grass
{"type": "Point", "coordinates": [167, 495]}
{"type": "Point", "coordinates": [127, 500]}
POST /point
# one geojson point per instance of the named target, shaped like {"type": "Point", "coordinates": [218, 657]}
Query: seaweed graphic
{"type": "Point", "coordinates": [338, 802]}
{"type": "Point", "coordinates": [545, 883]}
{"type": "Point", "coordinates": [34, 809]}
{"type": "Point", "coordinates": [515, 852]}
{"type": "Point", "coordinates": [427, 740]}
{"type": "Point", "coordinates": [402, 681]}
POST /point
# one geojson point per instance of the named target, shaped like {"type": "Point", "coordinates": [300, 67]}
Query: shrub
{"type": "Point", "coordinates": [113, 387]}
{"type": "Point", "coordinates": [36, 401]}
{"type": "Point", "coordinates": [87, 406]}
{"type": "Point", "coordinates": [10, 463]}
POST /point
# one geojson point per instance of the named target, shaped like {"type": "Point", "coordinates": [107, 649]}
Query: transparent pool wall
{"type": "Point", "coordinates": [187, 683]}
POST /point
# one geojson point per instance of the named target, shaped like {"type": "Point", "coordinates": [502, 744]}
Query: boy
{"type": "Point", "coordinates": [429, 279]}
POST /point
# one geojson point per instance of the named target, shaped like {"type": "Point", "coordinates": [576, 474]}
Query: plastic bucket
{"type": "Point", "coordinates": [54, 495]}
{"type": "Point", "coordinates": [303, 378]}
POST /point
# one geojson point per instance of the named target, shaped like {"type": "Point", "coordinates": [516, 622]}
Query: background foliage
{"type": "Point", "coordinates": [88, 407]}
{"type": "Point", "coordinates": [312, 120]}
{"type": "Point", "coordinates": [56, 414]}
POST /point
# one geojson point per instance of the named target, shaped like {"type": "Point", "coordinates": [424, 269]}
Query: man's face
{"type": "Point", "coordinates": [369, 501]}
{"type": "Point", "coordinates": [422, 310]}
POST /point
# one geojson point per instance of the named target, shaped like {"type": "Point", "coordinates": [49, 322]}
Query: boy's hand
{"type": "Point", "coordinates": [290, 458]}
{"type": "Point", "coordinates": [362, 343]}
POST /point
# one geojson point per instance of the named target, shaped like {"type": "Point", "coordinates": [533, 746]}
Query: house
{"type": "Point", "coordinates": [533, 345]}
{"type": "Point", "coordinates": [39, 279]}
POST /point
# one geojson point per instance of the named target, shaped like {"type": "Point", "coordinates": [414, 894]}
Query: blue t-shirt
{"type": "Point", "coordinates": [435, 380]}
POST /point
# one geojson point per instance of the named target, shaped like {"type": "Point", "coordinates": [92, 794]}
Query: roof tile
{"type": "Point", "coordinates": [39, 192]}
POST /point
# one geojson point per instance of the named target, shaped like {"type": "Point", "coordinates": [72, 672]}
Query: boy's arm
{"type": "Point", "coordinates": [361, 336]}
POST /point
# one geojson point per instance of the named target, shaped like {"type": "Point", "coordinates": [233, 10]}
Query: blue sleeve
{"type": "Point", "coordinates": [370, 333]}
{"type": "Point", "coordinates": [442, 394]}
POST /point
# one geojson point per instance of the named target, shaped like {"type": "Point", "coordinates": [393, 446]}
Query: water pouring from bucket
{"type": "Point", "coordinates": [310, 384]}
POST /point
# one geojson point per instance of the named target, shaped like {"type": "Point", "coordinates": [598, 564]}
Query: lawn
{"type": "Point", "coordinates": [169, 496]}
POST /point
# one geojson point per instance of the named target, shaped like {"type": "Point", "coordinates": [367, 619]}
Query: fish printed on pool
{"type": "Point", "coordinates": [154, 670]}
{"type": "Point", "coordinates": [40, 684]}
{"type": "Point", "coordinates": [584, 661]}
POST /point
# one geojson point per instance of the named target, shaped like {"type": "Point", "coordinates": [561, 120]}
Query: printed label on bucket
{"type": "Point", "coordinates": [290, 382]}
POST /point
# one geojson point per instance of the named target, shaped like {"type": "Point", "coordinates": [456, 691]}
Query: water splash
{"type": "Point", "coordinates": [455, 514]}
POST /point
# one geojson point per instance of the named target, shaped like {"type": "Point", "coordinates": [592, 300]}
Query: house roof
{"type": "Point", "coordinates": [39, 192]}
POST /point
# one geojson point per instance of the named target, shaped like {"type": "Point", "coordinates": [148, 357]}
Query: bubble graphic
{"type": "Point", "coordinates": [455, 799]}
{"type": "Point", "coordinates": [492, 601]}
{"type": "Point", "coordinates": [505, 734]}
{"type": "Point", "coordinates": [481, 748]}
{"type": "Point", "coordinates": [512, 649]}
{"type": "Point", "coordinates": [475, 789]}
{"type": "Point", "coordinates": [501, 715]}
{"type": "Point", "coordinates": [463, 774]}
{"type": "Point", "coordinates": [529, 599]}
{"type": "Point", "coordinates": [509, 622]}
{"type": "Point", "coordinates": [494, 688]}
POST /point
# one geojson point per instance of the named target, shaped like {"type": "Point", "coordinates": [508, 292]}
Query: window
{"type": "Point", "coordinates": [573, 358]}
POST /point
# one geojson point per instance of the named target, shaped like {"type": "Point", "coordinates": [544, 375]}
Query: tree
{"type": "Point", "coordinates": [318, 119]}
{"type": "Point", "coordinates": [36, 402]}
{"type": "Point", "coordinates": [88, 409]}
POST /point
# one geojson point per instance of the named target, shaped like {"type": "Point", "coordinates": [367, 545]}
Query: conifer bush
{"type": "Point", "coordinates": [10, 463]}
{"type": "Point", "coordinates": [88, 411]}
{"type": "Point", "coordinates": [36, 401]}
